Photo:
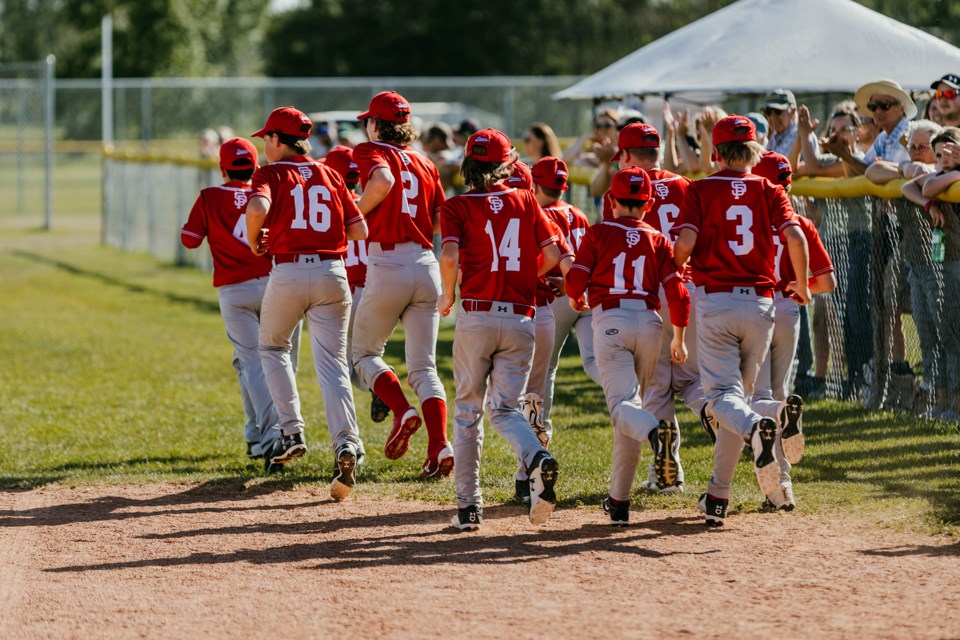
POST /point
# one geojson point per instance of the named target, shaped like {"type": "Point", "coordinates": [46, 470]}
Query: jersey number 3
{"type": "Point", "coordinates": [317, 211]}
{"type": "Point", "coordinates": [743, 217]}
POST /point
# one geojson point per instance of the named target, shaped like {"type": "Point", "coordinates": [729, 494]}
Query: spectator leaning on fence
{"type": "Point", "coordinates": [891, 108]}
{"type": "Point", "coordinates": [947, 99]}
{"type": "Point", "coordinates": [842, 129]}
{"type": "Point", "coordinates": [920, 155]}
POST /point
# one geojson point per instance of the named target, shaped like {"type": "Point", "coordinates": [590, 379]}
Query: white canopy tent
{"type": "Point", "coordinates": [753, 46]}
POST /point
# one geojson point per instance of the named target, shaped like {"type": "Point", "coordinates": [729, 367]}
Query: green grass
{"type": "Point", "coordinates": [116, 369]}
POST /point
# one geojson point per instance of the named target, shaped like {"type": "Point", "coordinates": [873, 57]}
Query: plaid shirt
{"type": "Point", "coordinates": [888, 147]}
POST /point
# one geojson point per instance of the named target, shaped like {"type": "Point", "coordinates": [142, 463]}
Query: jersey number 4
{"type": "Point", "coordinates": [318, 213]}
{"type": "Point", "coordinates": [508, 247]}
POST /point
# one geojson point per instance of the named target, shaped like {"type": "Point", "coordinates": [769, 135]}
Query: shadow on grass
{"type": "Point", "coordinates": [26, 483]}
{"type": "Point", "coordinates": [173, 464]}
{"type": "Point", "coordinates": [439, 544]}
{"type": "Point", "coordinates": [132, 287]}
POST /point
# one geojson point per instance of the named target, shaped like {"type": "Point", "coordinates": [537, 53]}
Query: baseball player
{"type": "Point", "coordinates": [622, 263]}
{"type": "Point", "coordinates": [240, 279]}
{"type": "Point", "coordinates": [305, 210]}
{"type": "Point", "coordinates": [638, 145]}
{"type": "Point", "coordinates": [495, 235]}
{"type": "Point", "coordinates": [725, 228]}
{"type": "Point", "coordinates": [401, 197]}
{"type": "Point", "coordinates": [770, 395]}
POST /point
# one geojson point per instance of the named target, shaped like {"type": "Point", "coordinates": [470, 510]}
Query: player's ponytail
{"type": "Point", "coordinates": [482, 175]}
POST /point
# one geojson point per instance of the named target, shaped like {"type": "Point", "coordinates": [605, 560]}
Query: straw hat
{"type": "Point", "coordinates": [886, 88]}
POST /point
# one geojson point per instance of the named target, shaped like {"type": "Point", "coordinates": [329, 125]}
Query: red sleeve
{"type": "Point", "coordinates": [195, 230]}
{"type": "Point", "coordinates": [691, 213]}
{"type": "Point", "coordinates": [451, 226]}
{"type": "Point", "coordinates": [820, 262]}
{"type": "Point", "coordinates": [368, 157]}
{"type": "Point", "coordinates": [579, 275]}
{"type": "Point", "coordinates": [351, 212]}
{"type": "Point", "coordinates": [544, 230]}
{"type": "Point", "coordinates": [678, 298]}
{"type": "Point", "coordinates": [562, 244]}
{"type": "Point", "coordinates": [261, 184]}
{"type": "Point", "coordinates": [781, 211]}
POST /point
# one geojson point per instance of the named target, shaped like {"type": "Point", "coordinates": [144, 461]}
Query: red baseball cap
{"type": "Point", "coordinates": [389, 106]}
{"type": "Point", "coordinates": [520, 178]}
{"type": "Point", "coordinates": [286, 120]}
{"type": "Point", "coordinates": [340, 159]}
{"type": "Point", "coordinates": [238, 154]}
{"type": "Point", "coordinates": [632, 184]}
{"type": "Point", "coordinates": [636, 136]}
{"type": "Point", "coordinates": [550, 173]}
{"type": "Point", "coordinates": [775, 168]}
{"type": "Point", "coordinates": [489, 145]}
{"type": "Point", "coordinates": [734, 128]}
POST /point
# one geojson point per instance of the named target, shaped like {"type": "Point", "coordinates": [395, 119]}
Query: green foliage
{"type": "Point", "coordinates": [117, 370]}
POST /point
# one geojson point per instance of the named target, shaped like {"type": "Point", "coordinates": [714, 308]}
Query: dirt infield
{"type": "Point", "coordinates": [216, 561]}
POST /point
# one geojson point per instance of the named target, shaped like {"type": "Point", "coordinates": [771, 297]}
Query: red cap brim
{"type": "Point", "coordinates": [258, 134]}
{"type": "Point", "coordinates": [364, 115]}
{"type": "Point", "coordinates": [615, 157]}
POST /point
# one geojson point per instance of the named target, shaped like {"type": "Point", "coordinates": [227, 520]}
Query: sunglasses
{"type": "Point", "coordinates": [918, 147]}
{"type": "Point", "coordinates": [604, 125]}
{"type": "Point", "coordinates": [949, 94]}
{"type": "Point", "coordinates": [880, 105]}
{"type": "Point", "coordinates": [772, 112]}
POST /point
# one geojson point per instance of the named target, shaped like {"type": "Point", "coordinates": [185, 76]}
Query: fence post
{"type": "Point", "coordinates": [48, 133]}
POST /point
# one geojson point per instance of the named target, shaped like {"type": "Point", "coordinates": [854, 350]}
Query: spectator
{"type": "Point", "coordinates": [209, 144]}
{"type": "Point", "coordinates": [947, 98]}
{"type": "Point", "coordinates": [937, 313]}
{"type": "Point", "coordinates": [891, 108]}
{"type": "Point", "coordinates": [842, 129]}
{"type": "Point", "coordinates": [868, 131]}
{"type": "Point", "coordinates": [780, 109]}
{"type": "Point", "coordinates": [932, 111]}
{"type": "Point", "coordinates": [582, 154]}
{"type": "Point", "coordinates": [762, 127]}
{"type": "Point", "coordinates": [436, 142]}
{"type": "Point", "coordinates": [920, 161]}
{"type": "Point", "coordinates": [539, 141]}
{"type": "Point", "coordinates": [463, 132]}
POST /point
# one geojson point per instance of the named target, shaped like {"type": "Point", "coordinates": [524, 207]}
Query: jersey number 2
{"type": "Point", "coordinates": [509, 246]}
{"type": "Point", "coordinates": [318, 212]}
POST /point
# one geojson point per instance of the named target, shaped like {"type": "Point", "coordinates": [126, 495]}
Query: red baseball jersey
{"type": "Point", "coordinates": [408, 212]}
{"type": "Point", "coordinates": [820, 262]}
{"type": "Point", "coordinates": [219, 216]}
{"type": "Point", "coordinates": [356, 258]}
{"type": "Point", "coordinates": [576, 225]}
{"type": "Point", "coordinates": [501, 232]}
{"type": "Point", "coordinates": [627, 258]}
{"type": "Point", "coordinates": [733, 213]}
{"type": "Point", "coordinates": [545, 294]}
{"type": "Point", "coordinates": [310, 206]}
{"type": "Point", "coordinates": [669, 190]}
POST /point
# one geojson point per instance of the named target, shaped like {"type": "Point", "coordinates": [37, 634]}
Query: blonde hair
{"type": "Point", "coordinates": [741, 153]}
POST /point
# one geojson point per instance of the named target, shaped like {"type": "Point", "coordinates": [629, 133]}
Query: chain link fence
{"type": "Point", "coordinates": [26, 138]}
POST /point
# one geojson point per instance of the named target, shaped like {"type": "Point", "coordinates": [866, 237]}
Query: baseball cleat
{"type": "Point", "coordinates": [780, 500]}
{"type": "Point", "coordinates": [765, 466]}
{"type": "Point", "coordinates": [666, 462]}
{"type": "Point", "coordinates": [254, 452]}
{"type": "Point", "coordinates": [345, 475]}
{"type": "Point", "coordinates": [288, 447]}
{"type": "Point", "coordinates": [269, 466]}
{"type": "Point", "coordinates": [438, 465]}
{"type": "Point", "coordinates": [543, 476]}
{"type": "Point", "coordinates": [403, 429]}
{"type": "Point", "coordinates": [532, 408]}
{"type": "Point", "coordinates": [468, 518]}
{"type": "Point", "coordinates": [708, 422]}
{"type": "Point", "coordinates": [378, 408]}
{"type": "Point", "coordinates": [715, 509]}
{"type": "Point", "coordinates": [791, 435]}
{"type": "Point", "coordinates": [522, 494]}
{"type": "Point", "coordinates": [619, 513]}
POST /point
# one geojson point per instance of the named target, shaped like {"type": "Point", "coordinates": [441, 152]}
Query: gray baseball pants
{"type": "Point", "coordinates": [776, 372]}
{"type": "Point", "coordinates": [318, 290]}
{"type": "Point", "coordinates": [566, 319]}
{"type": "Point", "coordinates": [626, 343]}
{"type": "Point", "coordinates": [355, 378]}
{"type": "Point", "coordinates": [403, 284]}
{"type": "Point", "coordinates": [498, 346]}
{"type": "Point", "coordinates": [733, 336]}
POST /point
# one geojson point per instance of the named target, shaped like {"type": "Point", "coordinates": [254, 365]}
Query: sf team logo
{"type": "Point", "coordinates": [305, 172]}
{"type": "Point", "coordinates": [739, 188]}
{"type": "Point", "coordinates": [496, 204]}
{"type": "Point", "coordinates": [633, 237]}
{"type": "Point", "coordinates": [662, 190]}
{"type": "Point", "coordinates": [239, 199]}
{"type": "Point", "coordinates": [405, 158]}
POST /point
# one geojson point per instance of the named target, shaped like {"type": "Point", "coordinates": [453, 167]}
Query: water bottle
{"type": "Point", "coordinates": [937, 246]}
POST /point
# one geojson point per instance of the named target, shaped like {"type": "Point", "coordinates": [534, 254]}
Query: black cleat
{"type": "Point", "coordinates": [378, 408]}
{"type": "Point", "coordinates": [791, 435]}
{"type": "Point", "coordinates": [619, 513]}
{"type": "Point", "coordinates": [468, 518]}
{"type": "Point", "coordinates": [288, 447]}
{"type": "Point", "coordinates": [666, 459]}
{"type": "Point", "coordinates": [714, 508]}
{"type": "Point", "coordinates": [344, 476]}
{"type": "Point", "coordinates": [522, 494]}
{"type": "Point", "coordinates": [543, 477]}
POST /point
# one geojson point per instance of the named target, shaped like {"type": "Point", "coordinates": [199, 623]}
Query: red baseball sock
{"type": "Point", "coordinates": [387, 387]}
{"type": "Point", "coordinates": [435, 417]}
